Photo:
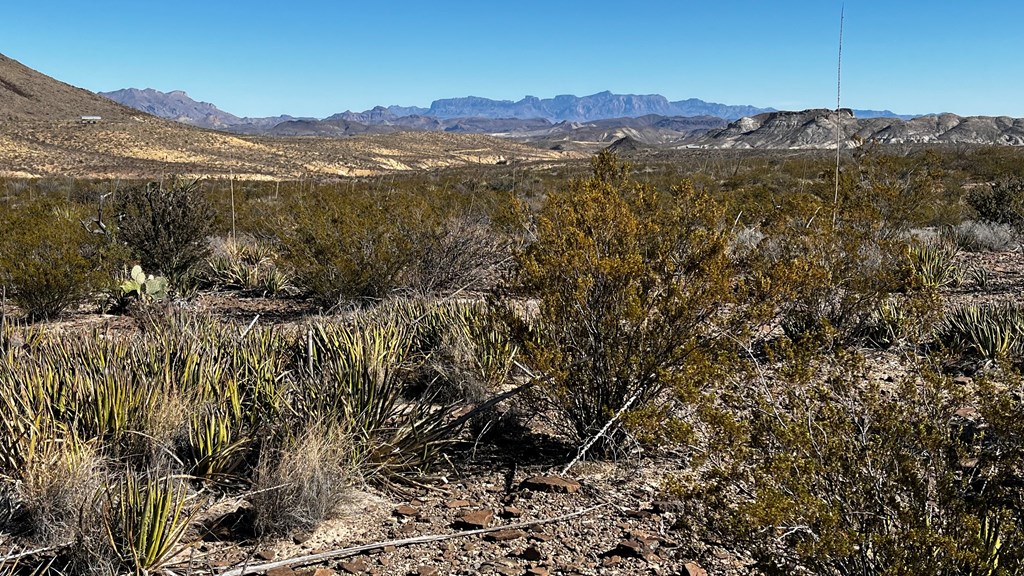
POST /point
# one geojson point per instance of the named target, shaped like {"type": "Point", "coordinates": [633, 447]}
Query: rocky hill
{"type": "Point", "coordinates": [28, 95]}
{"type": "Point", "coordinates": [41, 134]}
{"type": "Point", "coordinates": [817, 129]}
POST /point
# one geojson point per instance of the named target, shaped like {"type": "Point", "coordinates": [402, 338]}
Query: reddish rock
{"type": "Point", "coordinates": [505, 535]}
{"type": "Point", "coordinates": [426, 571]}
{"type": "Point", "coordinates": [281, 571]}
{"type": "Point", "coordinates": [324, 572]}
{"type": "Point", "coordinates": [694, 569]}
{"type": "Point", "coordinates": [511, 512]}
{"type": "Point", "coordinates": [475, 519]}
{"type": "Point", "coordinates": [531, 554]}
{"type": "Point", "coordinates": [353, 567]}
{"type": "Point", "coordinates": [630, 549]}
{"type": "Point", "coordinates": [452, 504]}
{"type": "Point", "coordinates": [611, 561]}
{"type": "Point", "coordinates": [406, 510]}
{"type": "Point", "coordinates": [537, 571]}
{"type": "Point", "coordinates": [551, 484]}
{"type": "Point", "coordinates": [267, 555]}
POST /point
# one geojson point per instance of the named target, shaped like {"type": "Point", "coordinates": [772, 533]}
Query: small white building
{"type": "Point", "coordinates": [90, 119]}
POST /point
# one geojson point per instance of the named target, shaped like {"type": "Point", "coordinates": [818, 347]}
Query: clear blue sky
{"type": "Point", "coordinates": [316, 58]}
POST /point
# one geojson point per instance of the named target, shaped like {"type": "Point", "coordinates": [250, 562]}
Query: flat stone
{"type": "Point", "coordinates": [324, 572]}
{"type": "Point", "coordinates": [505, 535]}
{"type": "Point", "coordinates": [452, 504]}
{"type": "Point", "coordinates": [353, 567]}
{"type": "Point", "coordinates": [694, 569]}
{"type": "Point", "coordinates": [537, 571]}
{"type": "Point", "coordinates": [426, 571]}
{"type": "Point", "coordinates": [551, 484]}
{"type": "Point", "coordinates": [475, 518]}
{"type": "Point", "coordinates": [281, 571]}
{"type": "Point", "coordinates": [531, 554]}
{"type": "Point", "coordinates": [630, 549]}
{"type": "Point", "coordinates": [511, 512]}
{"type": "Point", "coordinates": [267, 555]}
{"type": "Point", "coordinates": [406, 510]}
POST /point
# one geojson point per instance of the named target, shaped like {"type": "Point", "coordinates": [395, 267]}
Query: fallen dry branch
{"type": "Point", "coordinates": [343, 552]}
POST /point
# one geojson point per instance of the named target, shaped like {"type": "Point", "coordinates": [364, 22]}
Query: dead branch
{"type": "Point", "coordinates": [343, 552]}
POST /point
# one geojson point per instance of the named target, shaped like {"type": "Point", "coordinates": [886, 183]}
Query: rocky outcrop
{"type": "Point", "coordinates": [816, 128]}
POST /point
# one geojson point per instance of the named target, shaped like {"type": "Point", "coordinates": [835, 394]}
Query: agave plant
{"type": "Point", "coordinates": [145, 520]}
{"type": "Point", "coordinates": [990, 331]}
{"type": "Point", "coordinates": [935, 266]}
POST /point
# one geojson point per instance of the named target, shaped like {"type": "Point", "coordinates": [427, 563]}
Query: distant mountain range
{"type": "Point", "coordinates": [817, 129]}
{"type": "Point", "coordinates": [178, 106]}
{"type": "Point", "coordinates": [451, 114]}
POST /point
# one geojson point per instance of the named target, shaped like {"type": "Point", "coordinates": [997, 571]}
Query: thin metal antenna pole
{"type": "Point", "coordinates": [839, 116]}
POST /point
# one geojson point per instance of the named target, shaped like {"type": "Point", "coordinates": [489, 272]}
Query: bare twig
{"type": "Point", "coordinates": [249, 327]}
{"type": "Point", "coordinates": [343, 552]}
{"type": "Point", "coordinates": [602, 432]}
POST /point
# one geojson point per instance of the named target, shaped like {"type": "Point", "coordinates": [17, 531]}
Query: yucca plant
{"type": "Point", "coordinates": [358, 383]}
{"type": "Point", "coordinates": [216, 445]}
{"type": "Point", "coordinates": [934, 265]}
{"type": "Point", "coordinates": [990, 331]}
{"type": "Point", "coordinates": [981, 277]}
{"type": "Point", "coordinates": [145, 521]}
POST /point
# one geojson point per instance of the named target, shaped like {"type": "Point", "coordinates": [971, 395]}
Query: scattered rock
{"type": "Point", "coordinates": [426, 571]}
{"type": "Point", "coordinates": [531, 554]}
{"type": "Point", "coordinates": [611, 561]}
{"type": "Point", "coordinates": [667, 506]}
{"type": "Point", "coordinates": [505, 535]}
{"type": "Point", "coordinates": [406, 510]}
{"type": "Point", "coordinates": [300, 538]}
{"type": "Point", "coordinates": [537, 571]}
{"type": "Point", "coordinates": [551, 484]}
{"type": "Point", "coordinates": [354, 566]}
{"type": "Point", "coordinates": [452, 504]}
{"type": "Point", "coordinates": [266, 555]}
{"type": "Point", "coordinates": [963, 380]}
{"type": "Point", "coordinates": [511, 512]}
{"type": "Point", "coordinates": [324, 572]}
{"type": "Point", "coordinates": [390, 548]}
{"type": "Point", "coordinates": [694, 569]}
{"type": "Point", "coordinates": [630, 549]}
{"type": "Point", "coordinates": [475, 519]}
{"type": "Point", "coordinates": [281, 571]}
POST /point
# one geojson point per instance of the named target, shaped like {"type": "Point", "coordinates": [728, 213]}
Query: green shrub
{"type": "Point", "coordinates": [1000, 203]}
{"type": "Point", "coordinates": [357, 245]}
{"type": "Point", "coordinates": [166, 229]}
{"type": "Point", "coordinates": [636, 293]}
{"type": "Point", "coordinates": [48, 261]}
{"type": "Point", "coordinates": [831, 475]}
{"type": "Point", "coordinates": [145, 519]}
{"type": "Point", "coordinates": [934, 265]}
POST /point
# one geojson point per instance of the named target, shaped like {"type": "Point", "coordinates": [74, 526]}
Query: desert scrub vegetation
{"type": "Point", "coordinates": [157, 419]}
{"type": "Point", "coordinates": [165, 227]}
{"type": "Point", "coordinates": [48, 261]}
{"type": "Point", "coordinates": [636, 296]}
{"type": "Point", "coordinates": [353, 244]}
{"type": "Point", "coordinates": [827, 473]}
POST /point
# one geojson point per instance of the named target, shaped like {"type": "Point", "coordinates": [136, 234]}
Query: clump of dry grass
{"type": "Point", "coordinates": [301, 481]}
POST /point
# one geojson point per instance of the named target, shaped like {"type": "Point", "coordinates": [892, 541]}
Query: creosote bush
{"type": "Point", "coordinates": [823, 473]}
{"type": "Point", "coordinates": [165, 227]}
{"type": "Point", "coordinates": [358, 245]}
{"type": "Point", "coordinates": [48, 261]}
{"type": "Point", "coordinates": [636, 293]}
